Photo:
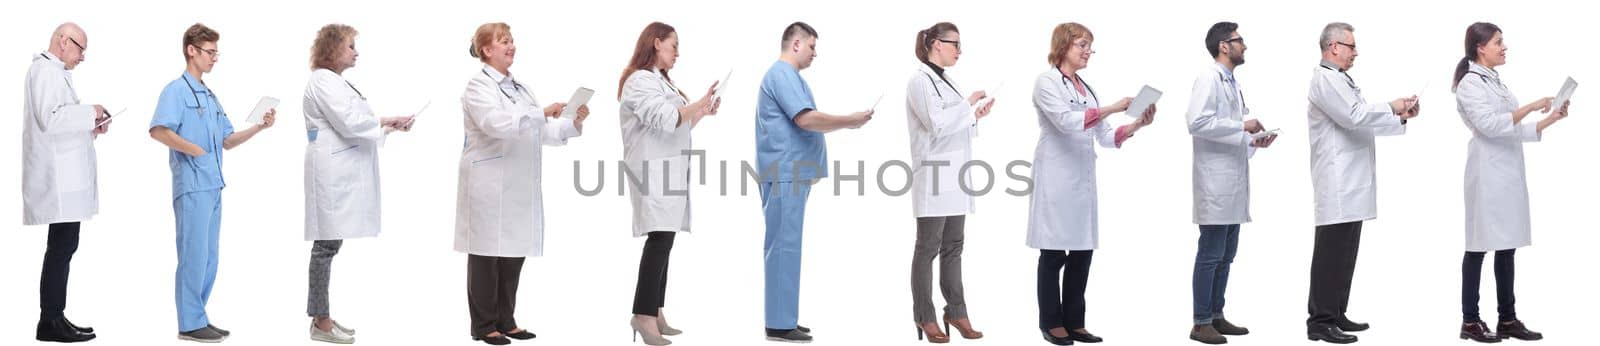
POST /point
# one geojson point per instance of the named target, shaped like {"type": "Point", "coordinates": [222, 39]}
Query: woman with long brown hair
{"type": "Point", "coordinates": [657, 118]}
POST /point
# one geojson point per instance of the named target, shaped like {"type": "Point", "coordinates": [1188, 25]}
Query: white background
{"type": "Point", "coordinates": [408, 287]}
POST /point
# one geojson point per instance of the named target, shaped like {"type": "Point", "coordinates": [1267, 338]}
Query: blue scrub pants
{"type": "Point", "coordinates": [784, 204]}
{"type": "Point", "coordinates": [199, 220]}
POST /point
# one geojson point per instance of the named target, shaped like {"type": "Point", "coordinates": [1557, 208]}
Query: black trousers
{"type": "Point", "coordinates": [62, 243]}
{"type": "Point", "coordinates": [1062, 306]}
{"type": "Point", "coordinates": [492, 293]}
{"type": "Point", "coordinates": [1333, 266]}
{"type": "Point", "coordinates": [1472, 273]}
{"type": "Point", "coordinates": [651, 292]}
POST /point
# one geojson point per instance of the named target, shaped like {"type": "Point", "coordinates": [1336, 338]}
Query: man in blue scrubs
{"type": "Point", "coordinates": [190, 121]}
{"type": "Point", "coordinates": [792, 155]}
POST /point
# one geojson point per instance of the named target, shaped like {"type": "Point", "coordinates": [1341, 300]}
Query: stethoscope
{"type": "Point", "coordinates": [1070, 90]}
{"type": "Point", "coordinates": [1235, 84]}
{"type": "Point", "coordinates": [200, 112]}
{"type": "Point", "coordinates": [936, 85]}
{"type": "Point", "coordinates": [1498, 88]}
{"type": "Point", "coordinates": [516, 86]}
{"type": "Point", "coordinates": [68, 80]}
{"type": "Point", "coordinates": [1347, 80]}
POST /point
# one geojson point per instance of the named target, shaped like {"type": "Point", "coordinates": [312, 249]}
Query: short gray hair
{"type": "Point", "coordinates": [1333, 32]}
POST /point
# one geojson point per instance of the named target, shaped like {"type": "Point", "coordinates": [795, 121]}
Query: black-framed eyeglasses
{"type": "Point", "coordinates": [1240, 40]}
{"type": "Point", "coordinates": [957, 44]}
{"type": "Point", "coordinates": [75, 43]}
{"type": "Point", "coordinates": [1351, 45]}
{"type": "Point", "coordinates": [214, 53]}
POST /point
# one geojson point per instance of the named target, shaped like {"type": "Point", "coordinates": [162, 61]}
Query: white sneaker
{"type": "Point", "coordinates": [332, 336]}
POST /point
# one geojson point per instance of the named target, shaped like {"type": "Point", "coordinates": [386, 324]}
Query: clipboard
{"type": "Point", "coordinates": [258, 115]}
{"type": "Point", "coordinates": [579, 98]}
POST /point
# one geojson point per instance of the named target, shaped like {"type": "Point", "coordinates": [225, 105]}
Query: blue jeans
{"type": "Point", "coordinates": [1218, 245]}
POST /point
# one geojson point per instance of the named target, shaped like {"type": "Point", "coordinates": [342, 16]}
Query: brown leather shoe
{"type": "Point", "coordinates": [1207, 334]}
{"type": "Point", "coordinates": [1515, 329]}
{"type": "Point", "coordinates": [1227, 328]}
{"type": "Point", "coordinates": [1478, 331]}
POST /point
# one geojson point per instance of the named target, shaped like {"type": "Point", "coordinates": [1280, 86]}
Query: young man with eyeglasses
{"type": "Point", "coordinates": [1224, 142]}
{"type": "Point", "coordinates": [190, 121]}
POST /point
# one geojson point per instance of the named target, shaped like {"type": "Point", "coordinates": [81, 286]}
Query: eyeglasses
{"type": "Point", "coordinates": [75, 43]}
{"type": "Point", "coordinates": [957, 44]}
{"type": "Point", "coordinates": [213, 52]}
{"type": "Point", "coordinates": [1240, 40]}
{"type": "Point", "coordinates": [1086, 45]}
{"type": "Point", "coordinates": [1351, 45]}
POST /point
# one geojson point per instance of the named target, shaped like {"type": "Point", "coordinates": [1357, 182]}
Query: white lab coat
{"type": "Point", "coordinates": [59, 181]}
{"type": "Point", "coordinates": [942, 125]}
{"type": "Point", "coordinates": [1222, 150]}
{"type": "Point", "coordinates": [341, 178]}
{"type": "Point", "coordinates": [1344, 158]}
{"type": "Point", "coordinates": [1063, 211]}
{"type": "Point", "coordinates": [652, 148]}
{"type": "Point", "coordinates": [499, 202]}
{"type": "Point", "coordinates": [1496, 179]}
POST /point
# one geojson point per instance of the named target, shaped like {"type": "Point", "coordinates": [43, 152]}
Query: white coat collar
{"type": "Point", "coordinates": [1474, 67]}
{"type": "Point", "coordinates": [495, 75]}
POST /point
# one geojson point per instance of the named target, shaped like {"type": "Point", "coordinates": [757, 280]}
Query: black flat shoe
{"type": "Point", "coordinates": [1478, 331]}
{"type": "Point", "coordinates": [1054, 340]}
{"type": "Point", "coordinates": [522, 335]}
{"type": "Point", "coordinates": [492, 340]}
{"type": "Point", "coordinates": [1083, 337]}
{"type": "Point", "coordinates": [1345, 324]}
{"type": "Point", "coordinates": [1328, 333]}
{"type": "Point", "coordinates": [1515, 329]}
{"type": "Point", "coordinates": [59, 331]}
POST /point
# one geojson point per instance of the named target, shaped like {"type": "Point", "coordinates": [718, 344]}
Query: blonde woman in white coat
{"type": "Point", "coordinates": [499, 203]}
{"type": "Point", "coordinates": [1496, 183]}
{"type": "Point", "coordinates": [341, 177]}
{"type": "Point", "coordinates": [1063, 210]}
{"type": "Point", "coordinates": [656, 122]}
{"type": "Point", "coordinates": [941, 123]}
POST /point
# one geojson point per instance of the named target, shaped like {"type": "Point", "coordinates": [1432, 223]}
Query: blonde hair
{"type": "Point", "coordinates": [326, 47]}
{"type": "Point", "coordinates": [488, 33]}
{"type": "Point", "coordinates": [1061, 40]}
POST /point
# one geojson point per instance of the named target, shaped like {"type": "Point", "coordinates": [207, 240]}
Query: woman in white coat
{"type": "Point", "coordinates": [341, 177]}
{"type": "Point", "coordinates": [941, 124]}
{"type": "Point", "coordinates": [656, 121]}
{"type": "Point", "coordinates": [1063, 214]}
{"type": "Point", "coordinates": [499, 207]}
{"type": "Point", "coordinates": [1496, 183]}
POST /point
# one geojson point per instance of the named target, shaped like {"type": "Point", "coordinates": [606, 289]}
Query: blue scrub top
{"type": "Point", "coordinates": [191, 109]}
{"type": "Point", "coordinates": [780, 143]}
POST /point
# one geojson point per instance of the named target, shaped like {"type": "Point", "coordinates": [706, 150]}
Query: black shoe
{"type": "Point", "coordinates": [492, 340]}
{"type": "Point", "coordinates": [1227, 328]}
{"type": "Point", "coordinates": [1345, 324]}
{"type": "Point", "coordinates": [788, 335]}
{"type": "Point", "coordinates": [203, 335]}
{"type": "Point", "coordinates": [81, 329]}
{"type": "Point", "coordinates": [1328, 333]}
{"type": "Point", "coordinates": [1478, 331]}
{"type": "Point", "coordinates": [1515, 329]}
{"type": "Point", "coordinates": [1054, 340]}
{"type": "Point", "coordinates": [1084, 337]}
{"type": "Point", "coordinates": [59, 330]}
{"type": "Point", "coordinates": [802, 329]}
{"type": "Point", "coordinates": [522, 335]}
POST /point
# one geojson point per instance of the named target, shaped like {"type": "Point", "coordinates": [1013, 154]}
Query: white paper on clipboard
{"type": "Point", "coordinates": [1264, 134]}
{"type": "Point", "coordinates": [258, 115]}
{"type": "Point", "coordinates": [579, 98]}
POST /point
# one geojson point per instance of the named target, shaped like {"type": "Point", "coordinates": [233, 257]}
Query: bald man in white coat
{"type": "Point", "coordinates": [58, 171]}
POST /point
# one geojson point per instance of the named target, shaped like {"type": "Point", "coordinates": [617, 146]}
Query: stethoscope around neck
{"type": "Point", "coordinates": [201, 110]}
{"type": "Point", "coordinates": [1068, 84]}
{"type": "Point", "coordinates": [516, 86]}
